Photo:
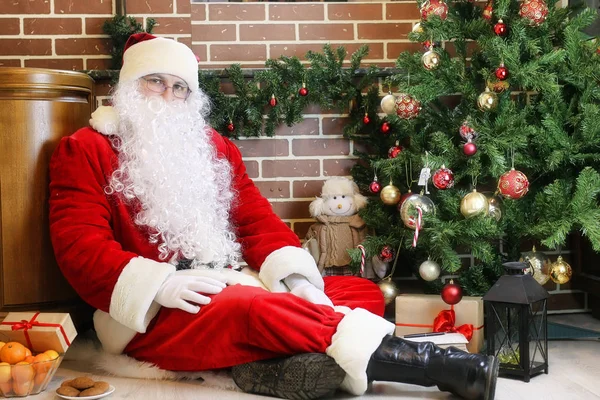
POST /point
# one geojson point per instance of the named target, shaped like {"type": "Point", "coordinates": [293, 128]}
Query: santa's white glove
{"type": "Point", "coordinates": [301, 287]}
{"type": "Point", "coordinates": [183, 291]}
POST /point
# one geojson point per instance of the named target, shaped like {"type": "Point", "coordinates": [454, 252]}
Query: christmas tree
{"type": "Point", "coordinates": [503, 108]}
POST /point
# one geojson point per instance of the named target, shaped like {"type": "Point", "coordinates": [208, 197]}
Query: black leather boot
{"type": "Point", "coordinates": [470, 376]}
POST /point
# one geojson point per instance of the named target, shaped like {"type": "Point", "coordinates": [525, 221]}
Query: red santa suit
{"type": "Point", "coordinates": [110, 262]}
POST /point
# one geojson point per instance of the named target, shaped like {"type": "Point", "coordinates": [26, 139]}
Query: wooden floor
{"type": "Point", "coordinates": [574, 374]}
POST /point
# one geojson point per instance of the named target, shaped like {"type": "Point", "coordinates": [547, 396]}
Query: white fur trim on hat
{"type": "Point", "coordinates": [105, 120]}
{"type": "Point", "coordinates": [358, 335]}
{"type": "Point", "coordinates": [286, 261]}
{"type": "Point", "coordinates": [160, 56]}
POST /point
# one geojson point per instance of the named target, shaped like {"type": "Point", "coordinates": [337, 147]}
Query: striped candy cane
{"type": "Point", "coordinates": [418, 226]}
{"type": "Point", "coordinates": [362, 260]}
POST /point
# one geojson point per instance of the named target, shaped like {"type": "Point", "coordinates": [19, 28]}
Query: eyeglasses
{"type": "Point", "coordinates": [158, 86]}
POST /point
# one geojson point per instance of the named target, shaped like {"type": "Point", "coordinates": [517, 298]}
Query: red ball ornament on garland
{"type": "Point", "coordinates": [434, 7]}
{"type": "Point", "coordinates": [230, 127]}
{"type": "Point", "coordinates": [303, 91]}
{"type": "Point", "coordinates": [443, 178]}
{"type": "Point", "coordinates": [451, 293]}
{"type": "Point", "coordinates": [273, 101]}
{"type": "Point", "coordinates": [375, 187]}
{"type": "Point", "coordinates": [469, 148]}
{"type": "Point", "coordinates": [513, 184]}
{"type": "Point", "coordinates": [385, 127]}
{"type": "Point", "coordinates": [502, 72]}
{"type": "Point", "coordinates": [534, 11]}
{"type": "Point", "coordinates": [386, 254]}
{"type": "Point", "coordinates": [366, 119]}
{"type": "Point", "coordinates": [395, 150]}
{"type": "Point", "coordinates": [501, 29]}
{"type": "Point", "coordinates": [407, 107]}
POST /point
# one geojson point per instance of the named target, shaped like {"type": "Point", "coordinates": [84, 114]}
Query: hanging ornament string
{"type": "Point", "coordinates": [362, 260]}
{"type": "Point", "coordinates": [427, 167]}
{"type": "Point", "coordinates": [512, 157]}
{"type": "Point", "coordinates": [396, 259]}
{"type": "Point", "coordinates": [417, 226]}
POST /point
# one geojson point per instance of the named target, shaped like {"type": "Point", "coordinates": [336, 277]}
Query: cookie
{"type": "Point", "coordinates": [93, 391]}
{"type": "Point", "coordinates": [67, 382]}
{"type": "Point", "coordinates": [68, 391]}
{"type": "Point", "coordinates": [102, 385]}
{"type": "Point", "coordinates": [82, 383]}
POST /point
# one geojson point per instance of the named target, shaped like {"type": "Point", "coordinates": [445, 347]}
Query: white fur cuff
{"type": "Point", "coordinates": [357, 337]}
{"type": "Point", "coordinates": [105, 120]}
{"type": "Point", "coordinates": [286, 261]}
{"type": "Point", "coordinates": [132, 301]}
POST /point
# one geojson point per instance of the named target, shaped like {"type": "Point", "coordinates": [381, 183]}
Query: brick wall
{"type": "Point", "coordinates": [289, 168]}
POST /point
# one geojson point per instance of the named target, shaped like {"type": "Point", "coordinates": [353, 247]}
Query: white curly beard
{"type": "Point", "coordinates": [168, 164]}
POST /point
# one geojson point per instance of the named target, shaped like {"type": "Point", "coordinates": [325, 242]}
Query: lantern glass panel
{"type": "Point", "coordinates": [537, 334]}
{"type": "Point", "coordinates": [506, 337]}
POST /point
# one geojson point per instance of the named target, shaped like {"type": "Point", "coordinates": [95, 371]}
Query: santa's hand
{"type": "Point", "coordinates": [301, 287]}
{"type": "Point", "coordinates": [183, 292]}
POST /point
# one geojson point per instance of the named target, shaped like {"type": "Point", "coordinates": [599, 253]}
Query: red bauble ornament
{"type": "Point", "coordinates": [535, 11]}
{"type": "Point", "coordinates": [273, 101]}
{"type": "Point", "coordinates": [385, 127]}
{"type": "Point", "coordinates": [366, 119]}
{"type": "Point", "coordinates": [500, 29]}
{"type": "Point", "coordinates": [375, 187]}
{"type": "Point", "coordinates": [427, 45]}
{"type": "Point", "coordinates": [451, 293]}
{"type": "Point", "coordinates": [488, 11]}
{"type": "Point", "coordinates": [502, 72]}
{"type": "Point", "coordinates": [434, 7]}
{"type": "Point", "coordinates": [230, 127]}
{"type": "Point", "coordinates": [407, 107]}
{"type": "Point", "coordinates": [386, 254]}
{"type": "Point", "coordinates": [303, 91]}
{"type": "Point", "coordinates": [466, 132]}
{"type": "Point", "coordinates": [469, 148]}
{"type": "Point", "coordinates": [513, 184]}
{"type": "Point", "coordinates": [395, 150]}
{"type": "Point", "coordinates": [443, 178]}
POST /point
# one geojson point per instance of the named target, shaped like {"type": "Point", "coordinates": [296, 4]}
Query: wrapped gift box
{"type": "Point", "coordinates": [39, 331]}
{"type": "Point", "coordinates": [416, 313]}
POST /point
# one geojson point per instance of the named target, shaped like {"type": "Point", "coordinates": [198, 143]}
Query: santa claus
{"type": "Point", "coordinates": [150, 211]}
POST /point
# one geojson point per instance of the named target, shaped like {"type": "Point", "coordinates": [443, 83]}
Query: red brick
{"type": "Point", "coordinates": [213, 33]}
{"type": "Point", "coordinates": [291, 209]}
{"type": "Point", "coordinates": [258, 32]}
{"type": "Point", "coordinates": [10, 26]}
{"type": "Point", "coordinates": [236, 12]}
{"type": "Point", "coordinates": [301, 228]}
{"type": "Point", "coordinates": [355, 12]}
{"type": "Point", "coordinates": [289, 168]}
{"type": "Point", "coordinates": [300, 49]}
{"type": "Point", "coordinates": [83, 46]}
{"type": "Point", "coordinates": [252, 168]}
{"type": "Point", "coordinates": [25, 47]}
{"type": "Point", "coordinates": [304, 189]}
{"type": "Point", "coordinates": [98, 63]}
{"type": "Point", "coordinates": [198, 12]}
{"type": "Point", "coordinates": [263, 147]}
{"type": "Point", "coordinates": [274, 189]}
{"type": "Point", "coordinates": [172, 25]}
{"type": "Point", "coordinates": [395, 49]}
{"type": "Point", "coordinates": [326, 31]}
{"type": "Point", "coordinates": [200, 51]}
{"type": "Point", "coordinates": [83, 7]}
{"type": "Point", "coordinates": [339, 167]}
{"type": "Point", "coordinates": [320, 147]}
{"type": "Point", "coordinates": [187, 40]}
{"type": "Point", "coordinates": [308, 126]}
{"type": "Point", "coordinates": [238, 52]}
{"type": "Point", "coordinates": [24, 7]}
{"type": "Point", "coordinates": [296, 12]}
{"type": "Point", "coordinates": [183, 6]}
{"type": "Point", "coordinates": [149, 7]}
{"type": "Point", "coordinates": [93, 26]}
{"type": "Point", "coordinates": [404, 11]}
{"type": "Point", "coordinates": [102, 88]}
{"type": "Point", "coordinates": [56, 63]}
{"type": "Point", "coordinates": [52, 26]}
{"type": "Point", "coordinates": [10, 63]}
{"type": "Point", "coordinates": [384, 31]}
{"type": "Point", "coordinates": [334, 126]}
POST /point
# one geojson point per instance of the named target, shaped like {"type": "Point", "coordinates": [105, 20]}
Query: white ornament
{"type": "Point", "coordinates": [429, 270]}
{"type": "Point", "coordinates": [388, 104]}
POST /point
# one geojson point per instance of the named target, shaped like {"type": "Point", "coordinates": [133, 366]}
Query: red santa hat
{"type": "Point", "coordinates": [146, 54]}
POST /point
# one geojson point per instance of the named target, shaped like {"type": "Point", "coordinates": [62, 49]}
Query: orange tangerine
{"type": "Point", "coordinates": [13, 352]}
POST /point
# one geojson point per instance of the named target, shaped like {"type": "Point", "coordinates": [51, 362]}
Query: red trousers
{"type": "Point", "coordinates": [244, 324]}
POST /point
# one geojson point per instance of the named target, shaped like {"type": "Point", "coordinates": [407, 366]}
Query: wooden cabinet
{"type": "Point", "coordinates": [37, 108]}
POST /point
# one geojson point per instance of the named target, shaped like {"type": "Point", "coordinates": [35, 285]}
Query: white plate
{"type": "Point", "coordinates": [111, 389]}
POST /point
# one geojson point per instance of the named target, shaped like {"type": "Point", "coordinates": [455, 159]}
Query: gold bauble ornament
{"type": "Point", "coordinates": [495, 208]}
{"type": "Point", "coordinates": [388, 104]}
{"type": "Point", "coordinates": [430, 60]}
{"type": "Point", "coordinates": [390, 195]}
{"type": "Point", "coordinates": [539, 265]}
{"type": "Point", "coordinates": [487, 100]}
{"type": "Point", "coordinates": [560, 271]}
{"type": "Point", "coordinates": [473, 204]}
{"type": "Point", "coordinates": [389, 290]}
{"type": "Point", "coordinates": [417, 28]}
{"type": "Point", "coordinates": [408, 210]}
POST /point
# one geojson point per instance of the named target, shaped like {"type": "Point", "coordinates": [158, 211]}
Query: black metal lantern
{"type": "Point", "coordinates": [516, 327]}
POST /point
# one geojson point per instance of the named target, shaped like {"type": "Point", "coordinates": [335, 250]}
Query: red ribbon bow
{"type": "Point", "coordinates": [445, 321]}
{"type": "Point", "coordinates": [27, 325]}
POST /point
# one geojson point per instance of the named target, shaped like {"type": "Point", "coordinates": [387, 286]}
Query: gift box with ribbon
{"type": "Point", "coordinates": [420, 313]}
{"type": "Point", "coordinates": [39, 331]}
